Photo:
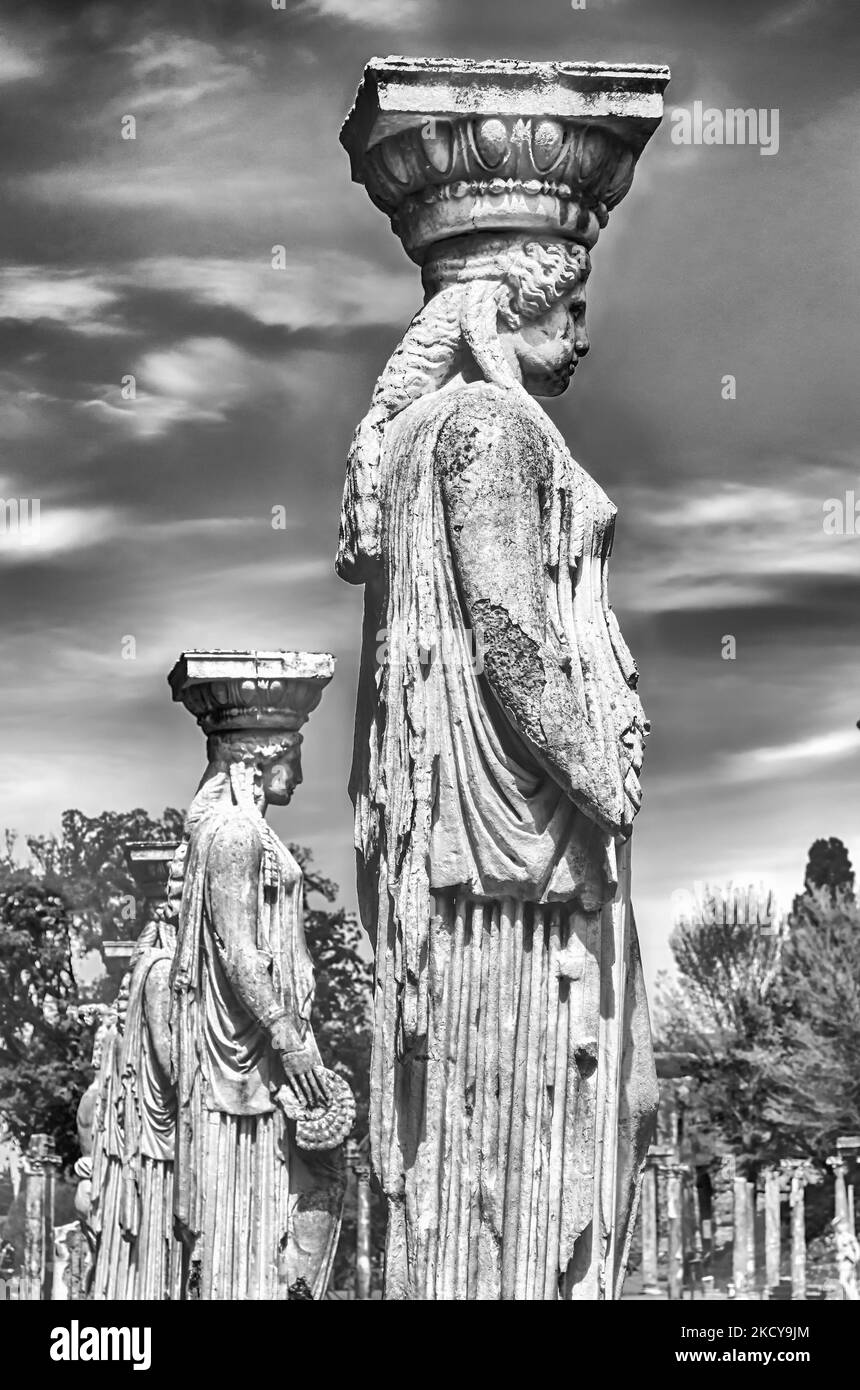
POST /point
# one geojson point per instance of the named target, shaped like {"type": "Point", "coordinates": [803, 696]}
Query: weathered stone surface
{"type": "Point", "coordinates": [513, 1087]}
{"type": "Point", "coordinates": [259, 1167]}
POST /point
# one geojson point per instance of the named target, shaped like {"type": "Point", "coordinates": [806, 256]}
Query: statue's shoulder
{"type": "Point", "coordinates": [476, 403]}
{"type": "Point", "coordinates": [237, 840]}
{"type": "Point", "coordinates": [480, 422]}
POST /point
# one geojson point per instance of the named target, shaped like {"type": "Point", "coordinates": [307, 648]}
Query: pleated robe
{"type": "Point", "coordinates": [149, 1123]}
{"type": "Point", "coordinates": [241, 1185]}
{"type": "Point", "coordinates": [513, 1089]}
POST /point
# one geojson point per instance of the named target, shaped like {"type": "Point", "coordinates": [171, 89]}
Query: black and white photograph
{"type": "Point", "coordinates": [430, 557]}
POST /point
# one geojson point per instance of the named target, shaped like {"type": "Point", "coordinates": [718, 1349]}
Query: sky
{"type": "Point", "coordinates": [152, 258]}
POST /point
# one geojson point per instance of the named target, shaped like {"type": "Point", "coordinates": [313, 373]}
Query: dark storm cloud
{"type": "Point", "coordinates": [154, 257]}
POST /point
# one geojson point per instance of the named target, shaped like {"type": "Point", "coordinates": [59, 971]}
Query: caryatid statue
{"type": "Point", "coordinates": [513, 1084]}
{"type": "Point", "coordinates": [259, 1174]}
{"type": "Point", "coordinates": [130, 1209]}
{"type": "Point", "coordinates": [148, 1093]}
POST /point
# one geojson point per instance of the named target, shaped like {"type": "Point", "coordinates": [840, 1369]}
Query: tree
{"type": "Point", "coordinates": [342, 1004]}
{"type": "Point", "coordinates": [44, 1046]}
{"type": "Point", "coordinates": [721, 1011]}
{"type": "Point", "coordinates": [828, 867]}
{"type": "Point", "coordinates": [773, 1021]}
{"type": "Point", "coordinates": [812, 1078]}
{"type": "Point", "coordinates": [87, 862]}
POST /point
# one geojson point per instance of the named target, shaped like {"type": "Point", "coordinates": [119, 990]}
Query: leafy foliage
{"type": "Point", "coordinates": [772, 1020]}
{"type": "Point", "coordinates": [44, 1048]}
{"type": "Point", "coordinates": [88, 860]}
{"type": "Point", "coordinates": [813, 1075]}
{"type": "Point", "coordinates": [829, 867]}
{"type": "Point", "coordinates": [344, 980]}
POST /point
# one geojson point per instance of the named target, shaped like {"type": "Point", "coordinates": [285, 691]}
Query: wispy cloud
{"type": "Point", "coordinates": [780, 760]}
{"type": "Point", "coordinates": [388, 14]}
{"type": "Point", "coordinates": [74, 297]}
{"type": "Point", "coordinates": [17, 64]}
{"type": "Point", "coordinates": [735, 544]}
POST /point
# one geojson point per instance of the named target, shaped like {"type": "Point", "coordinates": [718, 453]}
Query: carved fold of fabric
{"type": "Point", "coordinates": [243, 1207]}
{"type": "Point", "coordinates": [495, 1175]}
{"type": "Point", "coordinates": [113, 1276]}
{"type": "Point", "coordinates": [114, 1272]}
{"type": "Point", "coordinates": [149, 1124]}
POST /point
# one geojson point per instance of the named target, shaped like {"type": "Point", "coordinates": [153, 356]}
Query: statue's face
{"type": "Point", "coordinates": [282, 776]}
{"type": "Point", "coordinates": [547, 349]}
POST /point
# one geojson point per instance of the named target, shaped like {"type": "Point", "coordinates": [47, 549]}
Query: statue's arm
{"type": "Point", "coordinates": [490, 457]}
{"type": "Point", "coordinates": [233, 876]}
{"type": "Point", "coordinates": [156, 1008]}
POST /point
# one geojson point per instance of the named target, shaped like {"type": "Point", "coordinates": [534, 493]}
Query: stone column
{"type": "Point", "coordinates": [751, 1214]}
{"type": "Point", "coordinates": [514, 1095]}
{"type": "Point", "coordinates": [772, 1229]}
{"type": "Point", "coordinates": [363, 1269]}
{"type": "Point", "coordinates": [40, 1168]}
{"type": "Point", "coordinates": [839, 1170]}
{"type": "Point", "coordinates": [740, 1244]}
{"type": "Point", "coordinates": [672, 1173]}
{"type": "Point", "coordinates": [848, 1149]}
{"type": "Point", "coordinates": [797, 1172]}
{"type": "Point", "coordinates": [650, 1276]}
{"type": "Point", "coordinates": [694, 1246]}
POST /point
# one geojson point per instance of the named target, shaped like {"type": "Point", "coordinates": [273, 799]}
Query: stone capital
{"type": "Point", "coordinates": [234, 691]}
{"type": "Point", "coordinates": [848, 1150]}
{"type": "Point", "coordinates": [39, 1156]}
{"type": "Point", "coordinates": [149, 864]}
{"type": "Point", "coordinates": [451, 146]}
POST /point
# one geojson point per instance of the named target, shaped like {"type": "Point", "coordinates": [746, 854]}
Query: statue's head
{"type": "Point", "coordinates": [521, 305]}
{"type": "Point", "coordinates": [542, 327]}
{"type": "Point", "coordinates": [250, 705]}
{"type": "Point", "coordinates": [268, 764]}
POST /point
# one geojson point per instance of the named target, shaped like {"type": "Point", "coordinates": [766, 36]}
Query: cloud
{"type": "Point", "coordinates": [789, 17]}
{"type": "Point", "coordinates": [726, 544]}
{"type": "Point", "coordinates": [757, 764]}
{"type": "Point", "coordinates": [177, 70]}
{"type": "Point", "coordinates": [73, 297]}
{"type": "Point", "coordinates": [317, 287]}
{"type": "Point", "coordinates": [16, 65]}
{"type": "Point", "coordinates": [388, 14]}
{"type": "Point", "coordinates": [49, 531]}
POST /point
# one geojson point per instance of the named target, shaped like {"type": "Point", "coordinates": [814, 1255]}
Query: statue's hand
{"type": "Point", "coordinates": [301, 1062]}
{"type": "Point", "coordinates": [305, 1080]}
